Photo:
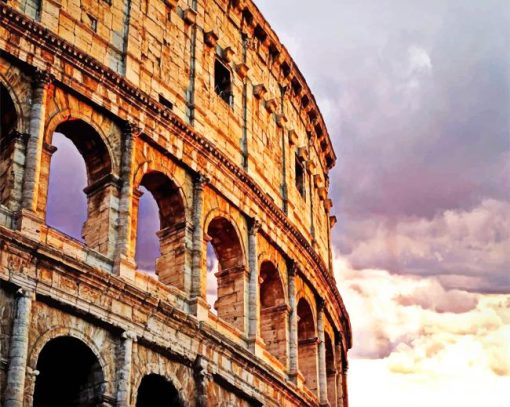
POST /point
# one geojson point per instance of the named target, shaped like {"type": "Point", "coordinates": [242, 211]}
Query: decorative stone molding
{"type": "Point", "coordinates": [189, 16]}
{"type": "Point", "coordinates": [259, 91]}
{"type": "Point", "coordinates": [242, 70]}
{"type": "Point", "coordinates": [293, 137]}
{"type": "Point", "coordinates": [332, 221]}
{"type": "Point", "coordinates": [281, 120]}
{"type": "Point", "coordinates": [317, 181]}
{"type": "Point", "coordinates": [171, 4]}
{"type": "Point", "coordinates": [211, 39]}
{"type": "Point", "coordinates": [271, 105]}
{"type": "Point", "coordinates": [228, 54]}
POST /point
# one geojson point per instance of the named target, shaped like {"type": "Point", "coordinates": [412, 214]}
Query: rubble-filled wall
{"type": "Point", "coordinates": [199, 105]}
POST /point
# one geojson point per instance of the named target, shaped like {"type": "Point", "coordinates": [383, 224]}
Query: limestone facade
{"type": "Point", "coordinates": [198, 103]}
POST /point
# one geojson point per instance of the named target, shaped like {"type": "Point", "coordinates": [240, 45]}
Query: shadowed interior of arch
{"type": "Point", "coordinates": [156, 391]}
{"type": "Point", "coordinates": [330, 368]}
{"type": "Point", "coordinates": [161, 229]}
{"type": "Point", "coordinates": [8, 120]}
{"type": "Point", "coordinates": [69, 375]}
{"type": "Point", "coordinates": [226, 245]}
{"type": "Point", "coordinates": [307, 344]}
{"type": "Point", "coordinates": [273, 311]}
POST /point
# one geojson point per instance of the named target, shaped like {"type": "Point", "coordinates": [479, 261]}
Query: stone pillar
{"type": "Point", "coordinates": [124, 256]}
{"type": "Point", "coordinates": [13, 150]}
{"type": "Point", "coordinates": [202, 380]}
{"type": "Point", "coordinates": [124, 374]}
{"type": "Point", "coordinates": [41, 82]}
{"type": "Point", "coordinates": [18, 351]}
{"type": "Point", "coordinates": [253, 286]}
{"type": "Point", "coordinates": [323, 378]}
{"type": "Point", "coordinates": [198, 281]}
{"type": "Point", "coordinates": [339, 375]}
{"type": "Point", "coordinates": [293, 322]}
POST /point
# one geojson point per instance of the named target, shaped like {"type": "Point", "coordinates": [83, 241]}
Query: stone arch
{"type": "Point", "coordinates": [71, 370]}
{"type": "Point", "coordinates": [307, 343]}
{"type": "Point", "coordinates": [103, 187]}
{"type": "Point", "coordinates": [171, 205]}
{"type": "Point", "coordinates": [274, 311]}
{"type": "Point", "coordinates": [224, 236]}
{"type": "Point", "coordinates": [10, 171]}
{"type": "Point", "coordinates": [21, 118]}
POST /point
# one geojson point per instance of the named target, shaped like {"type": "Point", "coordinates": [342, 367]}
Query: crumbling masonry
{"type": "Point", "coordinates": [198, 103]}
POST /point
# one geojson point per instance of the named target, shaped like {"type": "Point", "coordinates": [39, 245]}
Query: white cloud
{"type": "Point", "coordinates": [413, 336]}
{"type": "Point", "coordinates": [419, 60]}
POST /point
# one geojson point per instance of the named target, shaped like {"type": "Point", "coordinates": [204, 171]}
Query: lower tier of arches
{"type": "Point", "coordinates": [73, 337]}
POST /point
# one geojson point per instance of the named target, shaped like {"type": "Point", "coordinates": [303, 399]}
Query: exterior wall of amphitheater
{"type": "Point", "coordinates": [198, 102]}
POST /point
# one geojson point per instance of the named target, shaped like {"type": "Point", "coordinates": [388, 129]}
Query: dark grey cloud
{"type": "Point", "coordinates": [416, 96]}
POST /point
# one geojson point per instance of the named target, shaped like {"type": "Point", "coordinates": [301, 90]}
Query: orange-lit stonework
{"type": "Point", "coordinates": [198, 103]}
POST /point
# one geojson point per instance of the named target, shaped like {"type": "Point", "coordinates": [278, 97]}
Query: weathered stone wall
{"type": "Point", "coordinates": [132, 85]}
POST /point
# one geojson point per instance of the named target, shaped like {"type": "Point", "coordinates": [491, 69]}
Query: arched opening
{"type": "Point", "coordinates": [160, 239]}
{"type": "Point", "coordinates": [212, 281]}
{"type": "Point", "coordinates": [156, 391]}
{"type": "Point", "coordinates": [330, 369]}
{"type": "Point", "coordinates": [69, 375]}
{"type": "Point", "coordinates": [273, 312]}
{"type": "Point", "coordinates": [67, 203]}
{"type": "Point", "coordinates": [64, 175]}
{"type": "Point", "coordinates": [231, 271]}
{"type": "Point", "coordinates": [307, 345]}
{"type": "Point", "coordinates": [8, 121]}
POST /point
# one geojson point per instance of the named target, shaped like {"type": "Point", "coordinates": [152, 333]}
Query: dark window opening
{"type": "Point", "coordinates": [300, 176]}
{"type": "Point", "coordinates": [165, 102]}
{"type": "Point", "coordinates": [92, 23]}
{"type": "Point", "coordinates": [223, 82]}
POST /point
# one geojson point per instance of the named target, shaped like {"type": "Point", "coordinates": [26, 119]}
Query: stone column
{"type": "Point", "coordinates": [41, 82]}
{"type": "Point", "coordinates": [202, 380]}
{"type": "Point", "coordinates": [15, 146]}
{"type": "Point", "coordinates": [323, 378]}
{"type": "Point", "coordinates": [18, 351]}
{"type": "Point", "coordinates": [293, 322]}
{"type": "Point", "coordinates": [124, 256]}
{"type": "Point", "coordinates": [198, 281]}
{"type": "Point", "coordinates": [339, 375]}
{"type": "Point", "coordinates": [124, 373]}
{"type": "Point", "coordinates": [253, 286]}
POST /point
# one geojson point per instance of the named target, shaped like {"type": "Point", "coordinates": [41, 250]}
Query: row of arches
{"type": "Point", "coordinates": [69, 374]}
{"type": "Point", "coordinates": [79, 165]}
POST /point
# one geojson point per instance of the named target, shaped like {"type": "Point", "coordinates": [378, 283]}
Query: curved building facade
{"type": "Point", "coordinates": [197, 105]}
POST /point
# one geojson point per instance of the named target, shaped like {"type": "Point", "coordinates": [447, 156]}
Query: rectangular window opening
{"type": "Point", "coordinates": [300, 176]}
{"type": "Point", "coordinates": [165, 102]}
{"type": "Point", "coordinates": [223, 82]}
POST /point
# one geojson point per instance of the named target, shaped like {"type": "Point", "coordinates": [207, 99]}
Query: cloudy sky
{"type": "Point", "coordinates": [416, 96]}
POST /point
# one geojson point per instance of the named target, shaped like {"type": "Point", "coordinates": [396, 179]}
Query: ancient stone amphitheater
{"type": "Point", "coordinates": [198, 103]}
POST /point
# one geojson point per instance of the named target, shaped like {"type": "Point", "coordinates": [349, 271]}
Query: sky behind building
{"type": "Point", "coordinates": [416, 96]}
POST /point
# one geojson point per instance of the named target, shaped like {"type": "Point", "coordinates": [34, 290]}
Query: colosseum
{"type": "Point", "coordinates": [200, 108]}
